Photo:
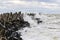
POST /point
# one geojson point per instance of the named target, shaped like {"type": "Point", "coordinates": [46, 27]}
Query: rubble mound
{"type": "Point", "coordinates": [10, 23]}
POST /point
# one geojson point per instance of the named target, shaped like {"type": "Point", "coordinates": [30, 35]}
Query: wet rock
{"type": "Point", "coordinates": [14, 36]}
{"type": "Point", "coordinates": [31, 14]}
{"type": "Point", "coordinates": [10, 23]}
{"type": "Point", "coordinates": [38, 20]}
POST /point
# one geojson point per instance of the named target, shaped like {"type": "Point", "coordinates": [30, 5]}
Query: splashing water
{"type": "Point", "coordinates": [48, 29]}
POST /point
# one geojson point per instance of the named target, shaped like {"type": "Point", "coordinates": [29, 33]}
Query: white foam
{"type": "Point", "coordinates": [44, 31]}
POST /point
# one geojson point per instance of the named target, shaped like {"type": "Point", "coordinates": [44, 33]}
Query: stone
{"type": "Point", "coordinates": [10, 23]}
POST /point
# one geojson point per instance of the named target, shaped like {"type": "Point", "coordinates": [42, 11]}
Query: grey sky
{"type": "Point", "coordinates": [43, 6]}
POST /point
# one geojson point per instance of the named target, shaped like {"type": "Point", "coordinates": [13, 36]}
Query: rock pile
{"type": "Point", "coordinates": [9, 24]}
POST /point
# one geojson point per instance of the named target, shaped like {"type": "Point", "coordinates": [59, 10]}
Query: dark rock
{"type": "Point", "coordinates": [39, 22]}
{"type": "Point", "coordinates": [31, 14]}
{"type": "Point", "coordinates": [37, 19]}
{"type": "Point", "coordinates": [10, 23]}
{"type": "Point", "coordinates": [14, 36]}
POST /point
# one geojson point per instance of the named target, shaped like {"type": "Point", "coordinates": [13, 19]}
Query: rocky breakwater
{"type": "Point", "coordinates": [10, 23]}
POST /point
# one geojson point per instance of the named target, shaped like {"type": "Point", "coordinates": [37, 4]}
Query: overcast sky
{"type": "Point", "coordinates": [43, 6]}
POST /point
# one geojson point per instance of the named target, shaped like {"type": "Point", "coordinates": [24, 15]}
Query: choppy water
{"type": "Point", "coordinates": [49, 29]}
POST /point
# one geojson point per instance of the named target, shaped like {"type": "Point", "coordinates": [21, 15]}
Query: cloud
{"type": "Point", "coordinates": [58, 1]}
{"type": "Point", "coordinates": [49, 5]}
{"type": "Point", "coordinates": [32, 4]}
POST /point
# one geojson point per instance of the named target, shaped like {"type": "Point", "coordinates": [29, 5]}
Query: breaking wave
{"type": "Point", "coordinates": [42, 27]}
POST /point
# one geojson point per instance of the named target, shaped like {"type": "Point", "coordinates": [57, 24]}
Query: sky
{"type": "Point", "coordinates": [35, 6]}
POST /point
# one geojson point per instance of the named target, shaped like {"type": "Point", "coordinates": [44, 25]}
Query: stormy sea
{"type": "Point", "coordinates": [29, 26]}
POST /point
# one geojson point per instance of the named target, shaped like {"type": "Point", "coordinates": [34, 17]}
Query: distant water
{"type": "Point", "coordinates": [48, 29]}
